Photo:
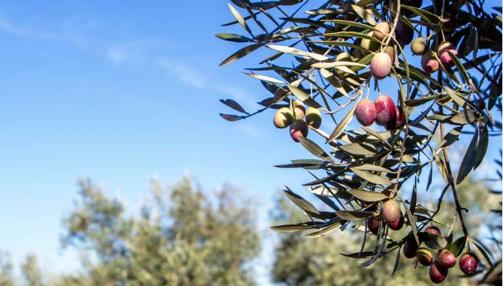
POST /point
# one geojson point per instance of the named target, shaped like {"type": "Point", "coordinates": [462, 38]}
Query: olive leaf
{"type": "Point", "coordinates": [326, 230]}
{"type": "Point", "coordinates": [482, 146]}
{"type": "Point", "coordinates": [239, 17]}
{"type": "Point", "coordinates": [234, 105]}
{"type": "Point", "coordinates": [231, 117]}
{"type": "Point", "coordinates": [457, 246]}
{"type": "Point", "coordinates": [353, 215]}
{"type": "Point", "coordinates": [240, 53]}
{"type": "Point", "coordinates": [469, 159]}
{"type": "Point", "coordinates": [342, 125]}
{"type": "Point", "coordinates": [233, 37]}
{"type": "Point", "coordinates": [375, 179]}
{"type": "Point", "coordinates": [367, 196]}
{"type": "Point", "coordinates": [313, 148]}
{"type": "Point", "coordinates": [297, 227]}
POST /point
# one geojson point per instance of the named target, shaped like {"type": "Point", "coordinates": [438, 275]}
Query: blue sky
{"type": "Point", "coordinates": [122, 92]}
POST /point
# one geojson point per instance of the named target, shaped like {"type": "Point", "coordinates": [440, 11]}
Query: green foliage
{"type": "Point", "coordinates": [180, 238]}
{"type": "Point", "coordinates": [6, 276]}
{"type": "Point", "coordinates": [31, 271]}
{"type": "Point", "coordinates": [319, 54]}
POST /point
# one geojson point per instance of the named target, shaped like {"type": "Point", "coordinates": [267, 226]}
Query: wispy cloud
{"type": "Point", "coordinates": [184, 73]}
{"type": "Point", "coordinates": [196, 79]}
{"type": "Point", "coordinates": [14, 29]}
{"type": "Point", "coordinates": [136, 52]}
{"type": "Point", "coordinates": [67, 36]}
{"type": "Point", "coordinates": [117, 54]}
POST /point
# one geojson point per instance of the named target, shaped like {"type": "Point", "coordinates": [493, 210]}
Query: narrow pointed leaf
{"type": "Point", "coordinates": [367, 196]}
{"type": "Point", "coordinates": [240, 53]}
{"type": "Point", "coordinates": [457, 246]}
{"type": "Point", "coordinates": [314, 148]}
{"type": "Point", "coordinates": [301, 202]}
{"type": "Point", "coordinates": [482, 146]}
{"type": "Point", "coordinates": [468, 160]}
{"type": "Point", "coordinates": [233, 37]}
{"type": "Point", "coordinates": [231, 117]}
{"type": "Point", "coordinates": [234, 105]}
{"type": "Point", "coordinates": [342, 125]}
{"type": "Point", "coordinates": [354, 215]}
{"type": "Point", "coordinates": [375, 179]}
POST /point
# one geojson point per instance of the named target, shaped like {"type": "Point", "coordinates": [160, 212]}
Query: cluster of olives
{"type": "Point", "coordinates": [298, 118]}
{"type": "Point", "coordinates": [430, 60]}
{"type": "Point", "coordinates": [383, 111]}
{"type": "Point", "coordinates": [444, 259]}
{"type": "Point", "coordinates": [380, 65]}
{"type": "Point", "coordinates": [391, 214]}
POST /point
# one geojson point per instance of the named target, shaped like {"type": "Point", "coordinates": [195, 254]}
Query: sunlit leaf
{"type": "Point", "coordinates": [233, 37]}
{"type": "Point", "coordinates": [367, 196]}
{"type": "Point", "coordinates": [313, 148]}
{"type": "Point", "coordinates": [342, 125]}
{"type": "Point", "coordinates": [240, 53]}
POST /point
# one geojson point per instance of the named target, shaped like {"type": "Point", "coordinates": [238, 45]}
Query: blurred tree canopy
{"type": "Point", "coordinates": [185, 236]}
{"type": "Point", "coordinates": [180, 237]}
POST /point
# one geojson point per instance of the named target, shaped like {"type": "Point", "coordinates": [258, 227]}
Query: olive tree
{"type": "Point", "coordinates": [421, 79]}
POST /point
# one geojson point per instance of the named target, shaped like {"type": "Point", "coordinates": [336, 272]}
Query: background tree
{"type": "Point", "coordinates": [6, 267]}
{"type": "Point", "coordinates": [31, 271]}
{"type": "Point", "coordinates": [335, 60]}
{"type": "Point", "coordinates": [181, 238]}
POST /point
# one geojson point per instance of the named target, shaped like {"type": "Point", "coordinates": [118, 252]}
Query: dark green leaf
{"type": "Point", "coordinates": [468, 160]}
{"type": "Point", "coordinates": [353, 215]}
{"type": "Point", "coordinates": [367, 196]}
{"type": "Point", "coordinates": [313, 148]}
{"type": "Point", "coordinates": [234, 105]}
{"type": "Point", "coordinates": [301, 202]}
{"type": "Point", "coordinates": [240, 53]}
{"type": "Point", "coordinates": [363, 254]}
{"type": "Point", "coordinates": [457, 246]}
{"type": "Point", "coordinates": [482, 146]}
{"type": "Point", "coordinates": [231, 117]}
{"type": "Point", "coordinates": [297, 227]}
{"type": "Point", "coordinates": [351, 23]}
{"type": "Point", "coordinates": [233, 37]}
